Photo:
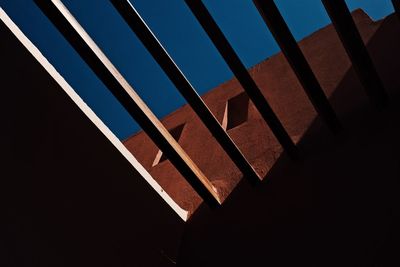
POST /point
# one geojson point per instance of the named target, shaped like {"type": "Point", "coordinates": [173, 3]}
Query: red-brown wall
{"type": "Point", "coordinates": [280, 86]}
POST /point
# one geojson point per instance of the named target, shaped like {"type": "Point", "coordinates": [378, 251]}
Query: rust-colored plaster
{"type": "Point", "coordinates": [280, 86]}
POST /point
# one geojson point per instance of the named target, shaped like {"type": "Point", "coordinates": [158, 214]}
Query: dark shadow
{"type": "Point", "coordinates": [237, 109]}
{"type": "Point", "coordinates": [337, 206]}
{"type": "Point", "coordinates": [176, 134]}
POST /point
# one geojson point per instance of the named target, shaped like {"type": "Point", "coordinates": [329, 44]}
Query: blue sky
{"type": "Point", "coordinates": [181, 35]}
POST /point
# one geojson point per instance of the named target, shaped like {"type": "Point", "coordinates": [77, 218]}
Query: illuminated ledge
{"type": "Point", "coordinates": [90, 114]}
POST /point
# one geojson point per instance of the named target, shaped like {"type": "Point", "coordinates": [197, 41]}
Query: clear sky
{"type": "Point", "coordinates": [181, 35]}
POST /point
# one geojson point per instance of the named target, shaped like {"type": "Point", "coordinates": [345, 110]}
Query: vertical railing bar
{"type": "Point", "coordinates": [396, 5]}
{"type": "Point", "coordinates": [356, 50]}
{"type": "Point", "coordinates": [291, 50]}
{"type": "Point", "coordinates": [239, 70]}
{"type": "Point", "coordinates": [143, 32]}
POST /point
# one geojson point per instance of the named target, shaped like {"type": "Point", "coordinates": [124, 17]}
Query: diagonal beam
{"type": "Point", "coordinates": [396, 5]}
{"type": "Point", "coordinates": [281, 32]}
{"type": "Point", "coordinates": [143, 32]}
{"type": "Point", "coordinates": [120, 88]}
{"type": "Point", "coordinates": [356, 50]}
{"type": "Point", "coordinates": [241, 73]}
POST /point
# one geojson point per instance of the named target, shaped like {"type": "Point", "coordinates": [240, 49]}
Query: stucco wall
{"type": "Point", "coordinates": [280, 86]}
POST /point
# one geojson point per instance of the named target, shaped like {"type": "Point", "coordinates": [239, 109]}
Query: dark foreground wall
{"type": "Point", "coordinates": [67, 195]}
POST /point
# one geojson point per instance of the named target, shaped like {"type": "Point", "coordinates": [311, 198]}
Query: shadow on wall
{"type": "Point", "coordinates": [335, 207]}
